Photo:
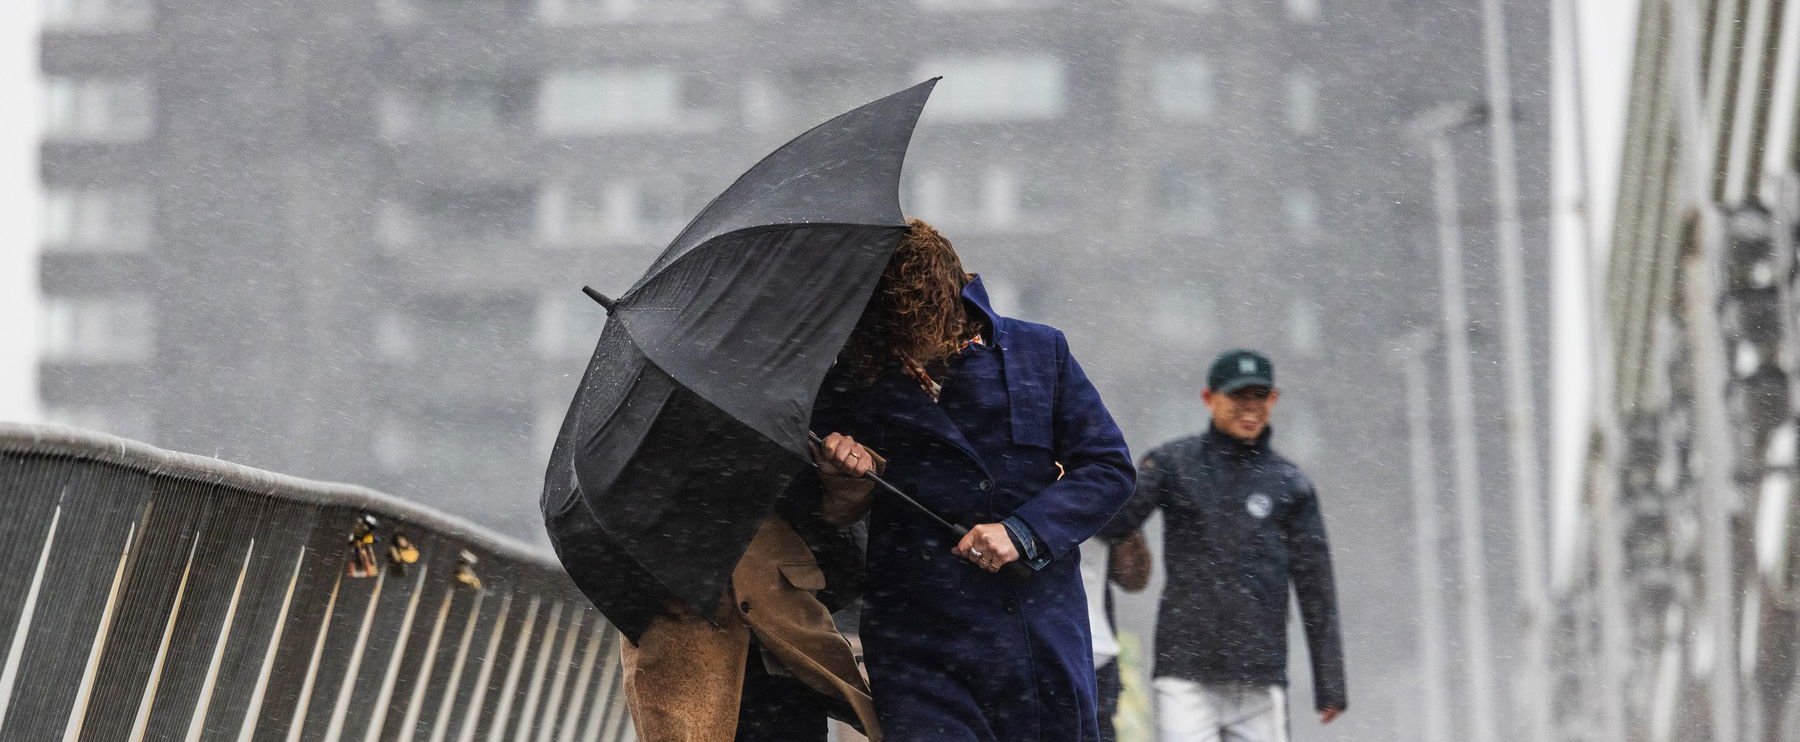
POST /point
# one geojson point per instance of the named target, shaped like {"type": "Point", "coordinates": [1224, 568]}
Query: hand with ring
{"type": "Point", "coordinates": [988, 546]}
{"type": "Point", "coordinates": [841, 456]}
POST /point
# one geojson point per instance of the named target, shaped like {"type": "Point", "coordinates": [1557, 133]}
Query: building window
{"type": "Point", "coordinates": [99, 329]}
{"type": "Point", "coordinates": [393, 444]}
{"type": "Point", "coordinates": [456, 106]}
{"type": "Point", "coordinates": [545, 425]}
{"type": "Point", "coordinates": [630, 11]}
{"type": "Point", "coordinates": [998, 198]}
{"type": "Point", "coordinates": [1183, 200]}
{"type": "Point", "coordinates": [807, 95]}
{"type": "Point", "coordinates": [408, 11]}
{"type": "Point", "coordinates": [97, 220]}
{"type": "Point", "coordinates": [1184, 87]}
{"type": "Point", "coordinates": [1005, 296]}
{"type": "Point", "coordinates": [395, 224]}
{"type": "Point", "coordinates": [1185, 314]}
{"type": "Point", "coordinates": [568, 324]}
{"type": "Point", "coordinates": [601, 101]}
{"type": "Point", "coordinates": [394, 338]}
{"type": "Point", "coordinates": [1299, 437]}
{"type": "Point", "coordinates": [1302, 101]}
{"type": "Point", "coordinates": [956, 5]}
{"type": "Point", "coordinates": [470, 330]}
{"type": "Point", "coordinates": [456, 456]}
{"type": "Point", "coordinates": [94, 109]}
{"type": "Point", "coordinates": [454, 216]}
{"type": "Point", "coordinates": [762, 101]}
{"type": "Point", "coordinates": [1304, 11]}
{"type": "Point", "coordinates": [98, 15]}
{"type": "Point", "coordinates": [635, 211]}
{"type": "Point", "coordinates": [124, 419]}
{"type": "Point", "coordinates": [995, 88]}
{"type": "Point", "coordinates": [1303, 326]}
{"type": "Point", "coordinates": [1300, 208]}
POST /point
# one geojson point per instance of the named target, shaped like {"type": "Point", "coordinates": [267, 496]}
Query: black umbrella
{"type": "Point", "coordinates": [694, 409]}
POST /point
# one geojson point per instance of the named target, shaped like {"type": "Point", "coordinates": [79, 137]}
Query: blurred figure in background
{"type": "Point", "coordinates": [1125, 562]}
{"type": "Point", "coordinates": [1239, 523]}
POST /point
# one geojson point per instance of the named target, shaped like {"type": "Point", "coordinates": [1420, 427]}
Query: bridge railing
{"type": "Point", "coordinates": [146, 594]}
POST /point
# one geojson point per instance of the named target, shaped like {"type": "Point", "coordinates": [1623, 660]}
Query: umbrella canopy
{"type": "Point", "coordinates": [692, 415]}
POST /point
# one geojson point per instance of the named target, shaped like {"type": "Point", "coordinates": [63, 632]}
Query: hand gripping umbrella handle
{"type": "Point", "coordinates": [1015, 569]}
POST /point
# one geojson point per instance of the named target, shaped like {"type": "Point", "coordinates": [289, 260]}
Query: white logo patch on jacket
{"type": "Point", "coordinates": [1259, 505]}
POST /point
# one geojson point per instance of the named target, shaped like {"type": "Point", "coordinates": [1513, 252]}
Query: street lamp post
{"type": "Point", "coordinates": [1427, 539]}
{"type": "Point", "coordinates": [1525, 463]}
{"type": "Point", "coordinates": [1434, 127]}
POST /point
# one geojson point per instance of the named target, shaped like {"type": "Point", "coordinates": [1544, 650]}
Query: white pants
{"type": "Point", "coordinates": [1187, 711]}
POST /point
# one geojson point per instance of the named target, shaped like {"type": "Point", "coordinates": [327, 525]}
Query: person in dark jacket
{"type": "Point", "coordinates": [990, 422]}
{"type": "Point", "coordinates": [1240, 523]}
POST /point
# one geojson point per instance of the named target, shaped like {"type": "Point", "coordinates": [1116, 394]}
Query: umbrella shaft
{"type": "Point", "coordinates": [1016, 570]}
{"type": "Point", "coordinates": [882, 483]}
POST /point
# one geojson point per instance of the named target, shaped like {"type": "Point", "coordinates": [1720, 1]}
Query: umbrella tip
{"type": "Point", "coordinates": [599, 297]}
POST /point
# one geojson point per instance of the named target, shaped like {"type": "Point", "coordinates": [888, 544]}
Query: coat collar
{"type": "Point", "coordinates": [897, 398]}
{"type": "Point", "coordinates": [976, 295]}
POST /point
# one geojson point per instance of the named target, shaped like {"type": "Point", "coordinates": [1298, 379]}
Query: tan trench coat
{"type": "Point", "coordinates": [684, 677]}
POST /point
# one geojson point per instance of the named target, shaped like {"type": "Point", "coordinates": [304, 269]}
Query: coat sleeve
{"type": "Point", "coordinates": [1309, 564]}
{"type": "Point", "coordinates": [1152, 492]}
{"type": "Point", "coordinates": [1097, 476]}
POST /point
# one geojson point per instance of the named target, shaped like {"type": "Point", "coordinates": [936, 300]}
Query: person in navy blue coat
{"type": "Point", "coordinates": [990, 422]}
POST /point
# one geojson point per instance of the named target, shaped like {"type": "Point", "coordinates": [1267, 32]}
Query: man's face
{"type": "Point", "coordinates": [1244, 413]}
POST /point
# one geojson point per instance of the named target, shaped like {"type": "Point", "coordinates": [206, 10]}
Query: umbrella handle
{"type": "Point", "coordinates": [1015, 569]}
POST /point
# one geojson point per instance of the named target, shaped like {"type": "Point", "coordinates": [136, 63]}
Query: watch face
{"type": "Point", "coordinates": [1259, 505]}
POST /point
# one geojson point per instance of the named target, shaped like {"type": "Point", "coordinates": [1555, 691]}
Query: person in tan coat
{"type": "Point", "coordinates": [687, 678]}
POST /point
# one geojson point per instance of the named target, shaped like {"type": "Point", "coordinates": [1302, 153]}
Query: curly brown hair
{"type": "Point", "coordinates": [916, 314]}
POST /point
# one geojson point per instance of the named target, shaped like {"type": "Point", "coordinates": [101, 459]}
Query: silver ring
{"type": "Point", "coordinates": [974, 552]}
{"type": "Point", "coordinates": [855, 455]}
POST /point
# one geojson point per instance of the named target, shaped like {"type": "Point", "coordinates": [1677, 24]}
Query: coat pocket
{"type": "Point", "coordinates": [804, 575]}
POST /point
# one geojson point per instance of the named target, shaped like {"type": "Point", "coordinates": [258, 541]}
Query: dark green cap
{"type": "Point", "coordinates": [1238, 369]}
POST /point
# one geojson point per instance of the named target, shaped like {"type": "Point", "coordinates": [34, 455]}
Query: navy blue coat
{"type": "Point", "coordinates": [954, 652]}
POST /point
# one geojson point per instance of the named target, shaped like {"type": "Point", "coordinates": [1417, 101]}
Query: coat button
{"type": "Point", "coordinates": [986, 485]}
{"type": "Point", "coordinates": [1012, 606]}
{"type": "Point", "coordinates": [744, 606]}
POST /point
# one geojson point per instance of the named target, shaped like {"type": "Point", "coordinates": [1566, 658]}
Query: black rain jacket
{"type": "Point", "coordinates": [1239, 523]}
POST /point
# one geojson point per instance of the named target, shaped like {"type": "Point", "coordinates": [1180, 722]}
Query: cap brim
{"type": "Point", "coordinates": [1245, 382]}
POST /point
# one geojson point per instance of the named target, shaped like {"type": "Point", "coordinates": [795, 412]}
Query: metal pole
{"type": "Point", "coordinates": [1470, 530]}
{"type": "Point", "coordinates": [1427, 544]}
{"type": "Point", "coordinates": [1717, 488]}
{"type": "Point", "coordinates": [1521, 419]}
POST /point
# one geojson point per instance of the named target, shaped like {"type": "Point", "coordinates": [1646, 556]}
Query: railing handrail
{"type": "Point", "coordinates": [57, 440]}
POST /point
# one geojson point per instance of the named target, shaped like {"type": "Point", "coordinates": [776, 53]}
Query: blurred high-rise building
{"type": "Point", "coordinates": [345, 239]}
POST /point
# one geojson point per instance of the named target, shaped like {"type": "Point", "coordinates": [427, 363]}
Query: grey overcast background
{"type": "Point", "coordinates": [359, 233]}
